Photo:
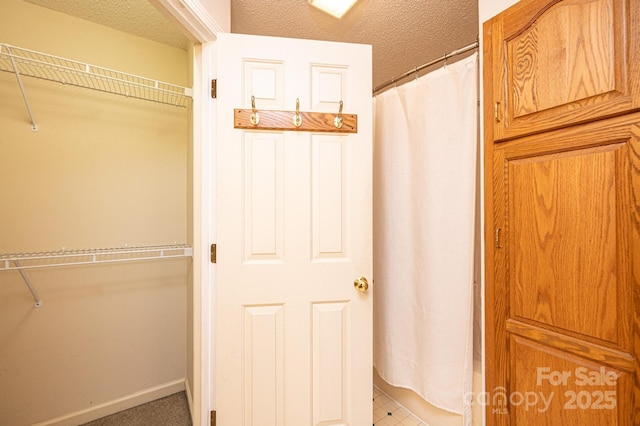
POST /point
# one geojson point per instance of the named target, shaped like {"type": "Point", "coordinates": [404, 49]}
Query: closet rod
{"type": "Point", "coordinates": [416, 70]}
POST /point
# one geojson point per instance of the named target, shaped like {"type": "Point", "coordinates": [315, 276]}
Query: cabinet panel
{"type": "Point", "coordinates": [547, 68]}
{"type": "Point", "coordinates": [554, 388]}
{"type": "Point", "coordinates": [566, 266]}
{"type": "Point", "coordinates": [554, 63]}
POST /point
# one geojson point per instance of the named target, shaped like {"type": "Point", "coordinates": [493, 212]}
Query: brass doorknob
{"type": "Point", "coordinates": [361, 284]}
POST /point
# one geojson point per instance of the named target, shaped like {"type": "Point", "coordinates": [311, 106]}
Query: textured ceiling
{"type": "Point", "coordinates": [404, 34]}
{"type": "Point", "coordinates": [137, 17]}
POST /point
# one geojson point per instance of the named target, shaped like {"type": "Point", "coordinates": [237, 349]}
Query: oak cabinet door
{"type": "Point", "coordinates": [554, 63]}
{"type": "Point", "coordinates": [563, 287]}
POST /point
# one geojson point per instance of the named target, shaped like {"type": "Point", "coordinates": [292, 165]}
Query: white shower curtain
{"type": "Point", "coordinates": [425, 143]}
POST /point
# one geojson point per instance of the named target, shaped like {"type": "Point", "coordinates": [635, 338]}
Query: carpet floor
{"type": "Point", "coordinates": [172, 410]}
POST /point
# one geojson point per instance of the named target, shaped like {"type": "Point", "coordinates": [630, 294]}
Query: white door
{"type": "Point", "coordinates": [293, 335]}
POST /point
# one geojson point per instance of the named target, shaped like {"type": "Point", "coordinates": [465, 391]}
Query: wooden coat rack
{"type": "Point", "coordinates": [252, 119]}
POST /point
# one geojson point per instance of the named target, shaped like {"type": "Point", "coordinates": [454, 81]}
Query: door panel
{"type": "Point", "coordinates": [329, 189]}
{"type": "Point", "coordinates": [263, 365]}
{"type": "Point", "coordinates": [264, 80]}
{"type": "Point", "coordinates": [331, 367]}
{"type": "Point", "coordinates": [294, 224]}
{"type": "Point", "coordinates": [563, 291]}
{"type": "Point", "coordinates": [328, 83]}
{"type": "Point", "coordinates": [555, 63]}
{"type": "Point", "coordinates": [263, 186]}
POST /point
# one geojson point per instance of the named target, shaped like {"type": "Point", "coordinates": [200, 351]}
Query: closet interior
{"type": "Point", "coordinates": [95, 228]}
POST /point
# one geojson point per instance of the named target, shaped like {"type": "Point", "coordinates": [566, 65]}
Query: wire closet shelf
{"type": "Point", "coordinates": [47, 259]}
{"type": "Point", "coordinates": [66, 71]}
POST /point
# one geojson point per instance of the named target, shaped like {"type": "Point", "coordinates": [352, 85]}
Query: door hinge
{"type": "Point", "coordinates": [213, 418]}
{"type": "Point", "coordinates": [214, 256]}
{"type": "Point", "coordinates": [214, 88]}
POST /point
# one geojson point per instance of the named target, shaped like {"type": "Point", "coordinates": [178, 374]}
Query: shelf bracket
{"type": "Point", "coordinates": [34, 126]}
{"type": "Point", "coordinates": [28, 283]}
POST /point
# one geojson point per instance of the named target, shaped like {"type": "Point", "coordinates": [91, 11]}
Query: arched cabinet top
{"type": "Point", "coordinates": [554, 63]}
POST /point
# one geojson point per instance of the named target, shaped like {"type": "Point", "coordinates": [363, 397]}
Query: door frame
{"type": "Point", "coordinates": [202, 28]}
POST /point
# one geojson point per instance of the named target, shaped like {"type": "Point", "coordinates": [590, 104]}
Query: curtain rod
{"type": "Point", "coordinates": [416, 70]}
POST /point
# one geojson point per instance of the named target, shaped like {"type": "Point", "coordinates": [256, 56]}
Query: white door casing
{"type": "Point", "coordinates": [294, 229]}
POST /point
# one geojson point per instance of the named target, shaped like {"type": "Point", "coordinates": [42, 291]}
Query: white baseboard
{"type": "Point", "coordinates": [116, 405]}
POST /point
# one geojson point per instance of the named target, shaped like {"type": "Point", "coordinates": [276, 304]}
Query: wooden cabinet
{"type": "Point", "coordinates": [562, 62]}
{"type": "Point", "coordinates": [562, 216]}
{"type": "Point", "coordinates": [562, 288]}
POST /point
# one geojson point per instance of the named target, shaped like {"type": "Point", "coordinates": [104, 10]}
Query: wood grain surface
{"type": "Point", "coordinates": [283, 120]}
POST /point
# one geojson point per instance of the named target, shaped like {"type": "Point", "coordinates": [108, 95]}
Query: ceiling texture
{"type": "Point", "coordinates": [404, 33]}
{"type": "Point", "coordinates": [137, 17]}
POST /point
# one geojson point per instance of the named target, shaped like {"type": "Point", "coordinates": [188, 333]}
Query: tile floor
{"type": "Point", "coordinates": [387, 412]}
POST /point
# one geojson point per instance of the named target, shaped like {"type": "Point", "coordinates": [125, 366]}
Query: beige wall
{"type": "Point", "coordinates": [102, 171]}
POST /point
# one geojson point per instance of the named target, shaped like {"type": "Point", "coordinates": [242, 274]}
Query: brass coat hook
{"type": "Point", "coordinates": [339, 121]}
{"type": "Point", "coordinates": [297, 118]}
{"type": "Point", "coordinates": [255, 117]}
{"type": "Point", "coordinates": [336, 121]}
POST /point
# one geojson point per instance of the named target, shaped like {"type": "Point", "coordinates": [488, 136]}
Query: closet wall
{"type": "Point", "coordinates": [102, 171]}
